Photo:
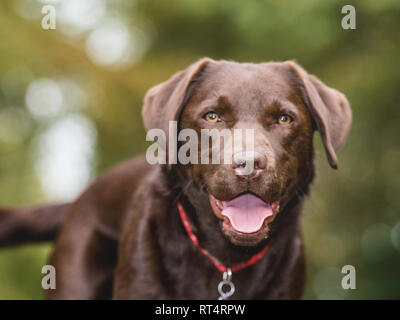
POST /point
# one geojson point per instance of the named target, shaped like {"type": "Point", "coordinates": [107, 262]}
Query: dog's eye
{"type": "Point", "coordinates": [212, 117]}
{"type": "Point", "coordinates": [285, 119]}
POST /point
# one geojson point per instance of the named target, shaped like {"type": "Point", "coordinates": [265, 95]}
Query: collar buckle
{"type": "Point", "coordinates": [226, 288]}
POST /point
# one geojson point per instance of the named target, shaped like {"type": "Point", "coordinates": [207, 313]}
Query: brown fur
{"type": "Point", "coordinates": [123, 237]}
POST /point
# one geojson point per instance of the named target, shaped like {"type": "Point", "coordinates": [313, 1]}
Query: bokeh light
{"type": "Point", "coordinates": [78, 16]}
{"type": "Point", "coordinates": [109, 44]}
{"type": "Point", "coordinates": [66, 155]}
{"type": "Point", "coordinates": [44, 98]}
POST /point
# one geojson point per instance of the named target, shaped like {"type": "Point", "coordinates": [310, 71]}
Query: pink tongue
{"type": "Point", "coordinates": [247, 213]}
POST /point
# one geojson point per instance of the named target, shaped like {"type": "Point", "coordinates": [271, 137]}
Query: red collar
{"type": "Point", "coordinates": [222, 268]}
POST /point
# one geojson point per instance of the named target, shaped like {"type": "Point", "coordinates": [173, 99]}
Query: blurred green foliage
{"type": "Point", "coordinates": [352, 213]}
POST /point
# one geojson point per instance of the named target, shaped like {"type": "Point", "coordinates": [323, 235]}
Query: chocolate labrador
{"type": "Point", "coordinates": [199, 231]}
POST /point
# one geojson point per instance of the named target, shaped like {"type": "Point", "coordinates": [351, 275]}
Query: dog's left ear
{"type": "Point", "coordinates": [164, 102]}
{"type": "Point", "coordinates": [329, 109]}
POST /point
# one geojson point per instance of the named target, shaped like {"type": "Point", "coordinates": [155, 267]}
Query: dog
{"type": "Point", "coordinates": [199, 231]}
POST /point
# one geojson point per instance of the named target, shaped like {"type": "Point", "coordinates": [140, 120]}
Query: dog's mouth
{"type": "Point", "coordinates": [246, 214]}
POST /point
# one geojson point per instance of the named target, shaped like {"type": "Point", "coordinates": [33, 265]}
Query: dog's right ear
{"type": "Point", "coordinates": [164, 102]}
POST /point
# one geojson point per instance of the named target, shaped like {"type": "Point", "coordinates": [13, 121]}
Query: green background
{"type": "Point", "coordinates": [353, 214]}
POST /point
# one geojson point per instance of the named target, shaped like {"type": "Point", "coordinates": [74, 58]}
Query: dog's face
{"type": "Point", "coordinates": [283, 105]}
{"type": "Point", "coordinates": [249, 97]}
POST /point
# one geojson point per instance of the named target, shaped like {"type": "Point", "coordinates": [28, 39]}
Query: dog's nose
{"type": "Point", "coordinates": [249, 164]}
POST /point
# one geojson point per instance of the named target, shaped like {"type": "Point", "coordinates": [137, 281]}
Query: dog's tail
{"type": "Point", "coordinates": [18, 226]}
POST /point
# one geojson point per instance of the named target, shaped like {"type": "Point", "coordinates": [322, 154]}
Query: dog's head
{"type": "Point", "coordinates": [283, 105]}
